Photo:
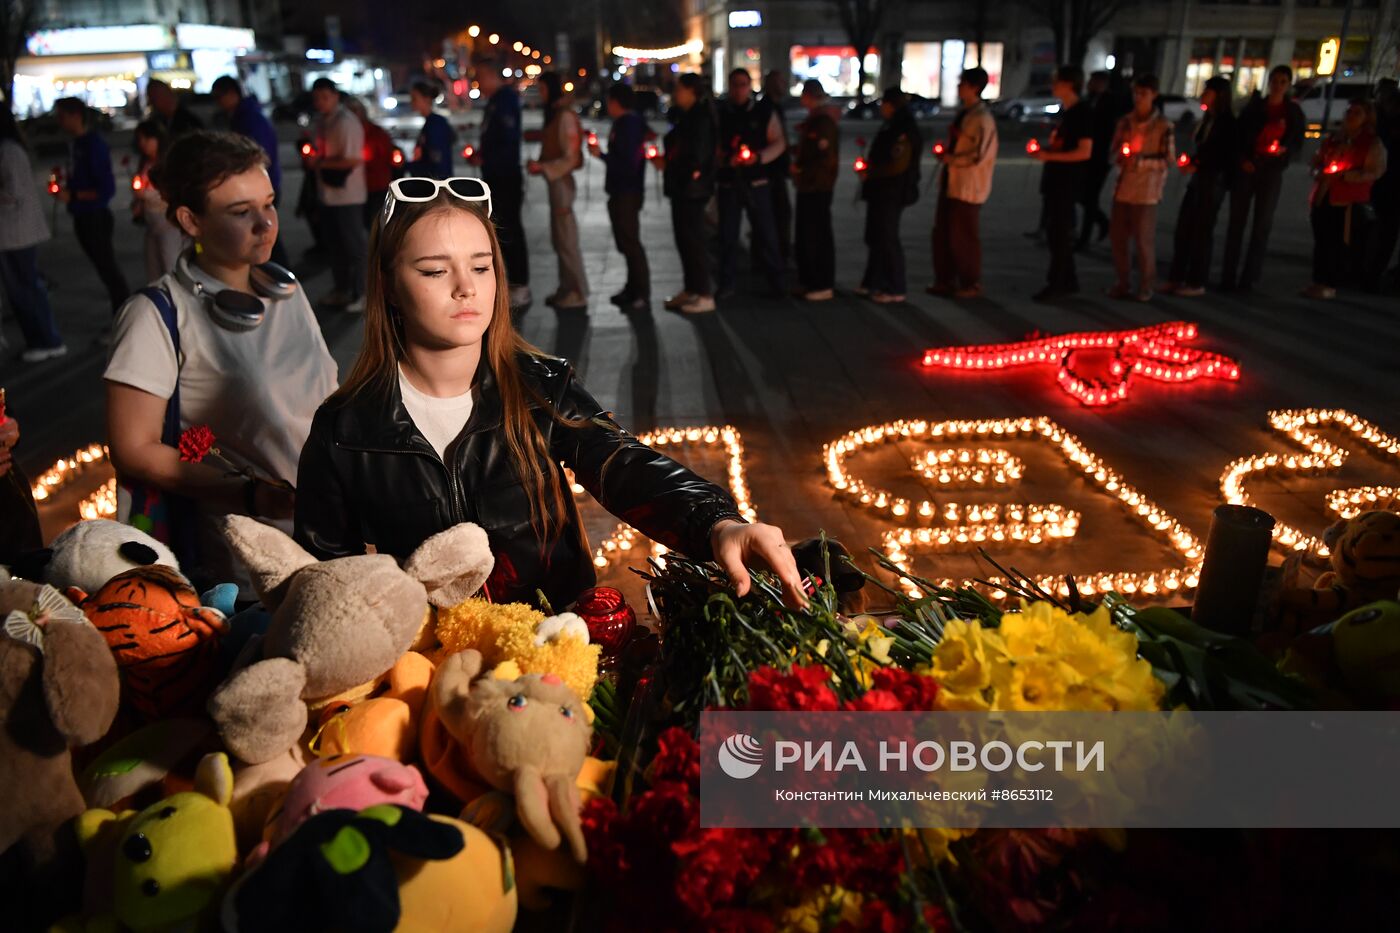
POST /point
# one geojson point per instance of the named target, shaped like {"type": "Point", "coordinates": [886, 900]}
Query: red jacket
{"type": "Point", "coordinates": [379, 157]}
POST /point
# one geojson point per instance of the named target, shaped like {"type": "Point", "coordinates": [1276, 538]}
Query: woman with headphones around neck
{"type": "Point", "coordinates": [450, 416]}
{"type": "Point", "coordinates": [251, 362]}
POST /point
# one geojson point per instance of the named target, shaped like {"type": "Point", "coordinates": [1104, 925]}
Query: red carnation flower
{"type": "Point", "coordinates": [803, 689]}
{"type": "Point", "coordinates": [196, 443]}
{"type": "Point", "coordinates": [668, 811]}
{"type": "Point", "coordinates": [677, 758]}
{"type": "Point", "coordinates": [914, 691]}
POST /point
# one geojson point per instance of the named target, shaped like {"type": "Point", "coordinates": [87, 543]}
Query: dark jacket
{"type": "Point", "coordinates": [1251, 123]}
{"type": "Point", "coordinates": [368, 476]}
{"type": "Point", "coordinates": [626, 156]}
{"type": "Point", "coordinates": [690, 148]}
{"type": "Point", "coordinates": [500, 134]}
{"type": "Point", "coordinates": [1217, 149]}
{"type": "Point", "coordinates": [249, 120]}
{"type": "Point", "coordinates": [892, 167]}
{"type": "Point", "coordinates": [745, 125]}
{"type": "Point", "coordinates": [90, 169]}
{"type": "Point", "coordinates": [816, 154]}
{"type": "Point", "coordinates": [432, 153]}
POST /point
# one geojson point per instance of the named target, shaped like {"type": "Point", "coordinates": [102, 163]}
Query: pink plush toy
{"type": "Point", "coordinates": [350, 782]}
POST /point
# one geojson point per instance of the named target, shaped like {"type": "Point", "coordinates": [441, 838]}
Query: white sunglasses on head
{"type": "Point", "coordinates": [418, 190]}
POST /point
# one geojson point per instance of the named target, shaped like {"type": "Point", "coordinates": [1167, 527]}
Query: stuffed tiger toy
{"type": "Point", "coordinates": [1365, 567]}
{"type": "Point", "coordinates": [166, 644]}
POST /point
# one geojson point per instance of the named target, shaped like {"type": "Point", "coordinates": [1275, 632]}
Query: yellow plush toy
{"type": "Point", "coordinates": [517, 633]}
{"type": "Point", "coordinates": [1365, 567]}
{"type": "Point", "coordinates": [165, 867]}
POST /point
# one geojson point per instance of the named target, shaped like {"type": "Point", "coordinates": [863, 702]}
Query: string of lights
{"type": "Point", "coordinates": [1301, 427]}
{"type": "Point", "coordinates": [1150, 352]}
{"type": "Point", "coordinates": [625, 538]}
{"type": "Point", "coordinates": [1012, 523]}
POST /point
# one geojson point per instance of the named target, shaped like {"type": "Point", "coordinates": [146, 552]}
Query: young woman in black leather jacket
{"type": "Point", "coordinates": [439, 338]}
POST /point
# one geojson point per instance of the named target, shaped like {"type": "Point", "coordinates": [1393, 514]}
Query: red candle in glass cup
{"type": "Point", "coordinates": [609, 619]}
{"type": "Point", "coordinates": [1032, 146]}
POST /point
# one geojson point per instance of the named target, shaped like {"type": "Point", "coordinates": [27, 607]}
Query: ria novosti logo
{"type": "Point", "coordinates": [741, 756]}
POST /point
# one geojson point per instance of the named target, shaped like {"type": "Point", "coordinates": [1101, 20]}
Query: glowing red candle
{"type": "Point", "coordinates": [1334, 167]}
{"type": "Point", "coordinates": [1127, 151]}
{"type": "Point", "coordinates": [398, 156]}
{"type": "Point", "coordinates": [307, 150]}
{"type": "Point", "coordinates": [1183, 160]}
{"type": "Point", "coordinates": [745, 154]}
{"type": "Point", "coordinates": [1273, 147]}
{"type": "Point", "coordinates": [136, 183]}
{"type": "Point", "coordinates": [938, 148]}
{"type": "Point", "coordinates": [592, 138]}
{"type": "Point", "coordinates": [54, 181]}
{"type": "Point", "coordinates": [860, 163]}
{"type": "Point", "coordinates": [1032, 146]}
{"type": "Point", "coordinates": [468, 151]}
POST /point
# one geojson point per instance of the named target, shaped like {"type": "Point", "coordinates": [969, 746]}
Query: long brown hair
{"type": "Point", "coordinates": [376, 368]}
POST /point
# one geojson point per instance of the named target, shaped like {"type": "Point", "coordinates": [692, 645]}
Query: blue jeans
{"type": "Point", "coordinates": [757, 200]}
{"type": "Point", "coordinates": [29, 296]}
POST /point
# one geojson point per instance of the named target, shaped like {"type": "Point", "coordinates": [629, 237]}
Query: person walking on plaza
{"type": "Point", "coordinates": [432, 154]}
{"type": "Point", "coordinates": [88, 190]}
{"type": "Point", "coordinates": [338, 162]}
{"type": "Point", "coordinates": [1106, 108]}
{"type": "Point", "coordinates": [498, 156]}
{"type": "Point", "coordinates": [245, 116]}
{"type": "Point", "coordinates": [1211, 169]}
{"type": "Point", "coordinates": [775, 91]}
{"type": "Point", "coordinates": [625, 184]}
{"type": "Point", "coordinates": [969, 160]}
{"type": "Point", "coordinates": [1347, 164]}
{"type": "Point", "coordinates": [379, 159]}
{"type": "Point", "coordinates": [167, 107]}
{"type": "Point", "coordinates": [164, 240]}
{"type": "Point", "coordinates": [689, 181]}
{"type": "Point", "coordinates": [561, 154]}
{"type": "Point", "coordinates": [1270, 135]}
{"type": "Point", "coordinates": [1144, 143]}
{"type": "Point", "coordinates": [889, 184]}
{"type": "Point", "coordinates": [750, 139]}
{"type": "Point", "coordinates": [22, 229]}
{"type": "Point", "coordinates": [1062, 180]}
{"type": "Point", "coordinates": [815, 163]}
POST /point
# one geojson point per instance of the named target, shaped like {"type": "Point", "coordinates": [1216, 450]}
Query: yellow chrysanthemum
{"type": "Point", "coordinates": [821, 910]}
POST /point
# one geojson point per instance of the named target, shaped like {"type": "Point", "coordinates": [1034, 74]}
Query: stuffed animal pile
{"type": "Point", "coordinates": [370, 746]}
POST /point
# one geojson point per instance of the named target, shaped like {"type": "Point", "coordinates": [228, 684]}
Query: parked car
{"type": "Point", "coordinates": [1180, 111]}
{"type": "Point", "coordinates": [921, 107]}
{"type": "Point", "coordinates": [1034, 104]}
{"type": "Point", "coordinates": [1312, 97]}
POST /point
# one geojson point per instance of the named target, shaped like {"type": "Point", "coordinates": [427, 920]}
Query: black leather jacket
{"type": "Point", "coordinates": [369, 476]}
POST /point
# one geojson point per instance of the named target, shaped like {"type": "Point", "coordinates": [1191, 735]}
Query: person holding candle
{"type": "Point", "coordinates": [1211, 169]}
{"type": "Point", "coordinates": [449, 416]}
{"type": "Point", "coordinates": [88, 191]}
{"type": "Point", "coordinates": [18, 515]}
{"type": "Point", "coordinates": [688, 178]}
{"type": "Point", "coordinates": [1270, 135]}
{"type": "Point", "coordinates": [815, 163]}
{"type": "Point", "coordinates": [432, 153]}
{"type": "Point", "coordinates": [969, 161]}
{"type": "Point", "coordinates": [22, 229]}
{"type": "Point", "coordinates": [164, 240]}
{"type": "Point", "coordinates": [1144, 145]}
{"type": "Point", "coordinates": [889, 184]}
{"type": "Point", "coordinates": [1347, 164]}
{"type": "Point", "coordinates": [1062, 181]}
{"type": "Point", "coordinates": [217, 342]}
{"type": "Point", "coordinates": [561, 154]}
{"type": "Point", "coordinates": [625, 185]}
{"type": "Point", "coordinates": [750, 139]}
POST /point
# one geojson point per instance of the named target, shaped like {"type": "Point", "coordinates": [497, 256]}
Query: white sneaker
{"type": "Point", "coordinates": [519, 296]}
{"type": "Point", "coordinates": [679, 300]}
{"type": "Point", "coordinates": [355, 305]}
{"type": "Point", "coordinates": [700, 304]}
{"type": "Point", "coordinates": [39, 354]}
{"type": "Point", "coordinates": [821, 294]}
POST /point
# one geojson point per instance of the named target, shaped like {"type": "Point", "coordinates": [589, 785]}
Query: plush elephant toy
{"type": "Point", "coordinates": [526, 737]}
{"type": "Point", "coordinates": [336, 625]}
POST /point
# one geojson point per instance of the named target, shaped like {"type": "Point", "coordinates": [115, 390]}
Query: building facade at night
{"type": "Point", "coordinates": [926, 44]}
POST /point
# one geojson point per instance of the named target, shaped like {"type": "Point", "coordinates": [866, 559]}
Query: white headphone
{"type": "Point", "coordinates": [230, 308]}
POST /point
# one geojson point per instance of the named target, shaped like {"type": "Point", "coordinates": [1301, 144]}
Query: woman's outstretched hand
{"type": "Point", "coordinates": [735, 544]}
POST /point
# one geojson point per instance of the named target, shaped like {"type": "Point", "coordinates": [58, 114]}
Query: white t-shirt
{"type": "Point", "coordinates": [440, 419]}
{"type": "Point", "coordinates": [337, 136]}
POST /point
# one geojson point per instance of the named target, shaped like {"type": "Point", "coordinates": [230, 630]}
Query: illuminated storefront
{"type": "Point", "coordinates": [109, 66]}
{"type": "Point", "coordinates": [931, 69]}
{"type": "Point", "coordinates": [835, 67]}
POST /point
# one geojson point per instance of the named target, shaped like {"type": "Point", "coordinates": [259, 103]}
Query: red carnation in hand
{"type": "Point", "coordinates": [196, 443]}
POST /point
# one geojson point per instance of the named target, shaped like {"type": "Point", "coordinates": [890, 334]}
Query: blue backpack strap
{"type": "Point", "coordinates": [160, 296]}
